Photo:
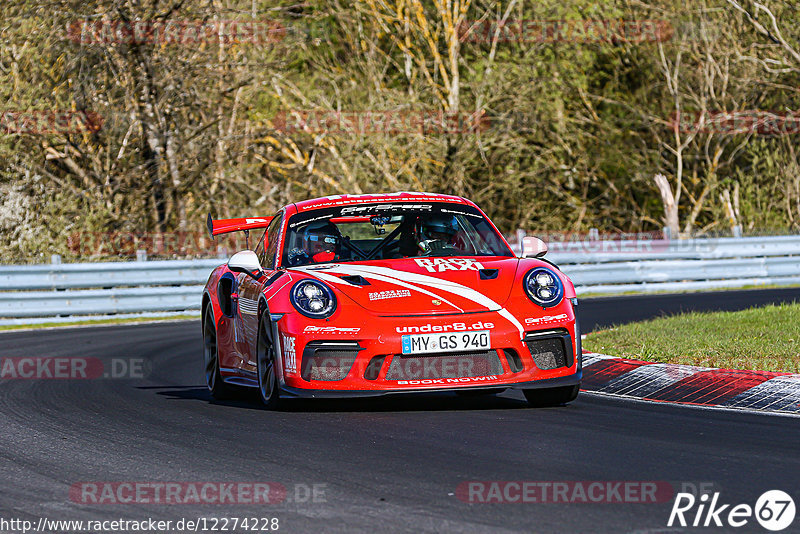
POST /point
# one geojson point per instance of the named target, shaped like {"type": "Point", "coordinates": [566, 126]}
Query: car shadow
{"type": "Point", "coordinates": [413, 402]}
{"type": "Point", "coordinates": [243, 399]}
{"type": "Point", "coordinates": [409, 402]}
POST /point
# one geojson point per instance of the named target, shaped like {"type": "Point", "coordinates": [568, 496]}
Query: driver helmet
{"type": "Point", "coordinates": [439, 227]}
{"type": "Point", "coordinates": [321, 241]}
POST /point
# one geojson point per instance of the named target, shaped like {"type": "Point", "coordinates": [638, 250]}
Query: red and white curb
{"type": "Point", "coordinates": [686, 384]}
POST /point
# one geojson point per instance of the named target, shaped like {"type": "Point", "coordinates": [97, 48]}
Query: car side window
{"type": "Point", "coordinates": [268, 258]}
{"type": "Point", "coordinates": [260, 247]}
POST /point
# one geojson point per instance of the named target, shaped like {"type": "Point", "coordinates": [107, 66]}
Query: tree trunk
{"type": "Point", "coordinates": [670, 206]}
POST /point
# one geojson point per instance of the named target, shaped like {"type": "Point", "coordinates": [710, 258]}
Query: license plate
{"type": "Point", "coordinates": [462, 341]}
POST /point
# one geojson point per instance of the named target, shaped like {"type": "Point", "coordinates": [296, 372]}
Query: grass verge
{"type": "Point", "coordinates": [763, 339]}
{"type": "Point", "coordinates": [93, 322]}
{"type": "Point", "coordinates": [589, 294]}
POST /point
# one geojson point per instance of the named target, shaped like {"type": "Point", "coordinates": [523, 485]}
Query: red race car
{"type": "Point", "coordinates": [362, 295]}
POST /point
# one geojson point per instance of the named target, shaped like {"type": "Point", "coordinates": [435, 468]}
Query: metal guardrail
{"type": "Point", "coordinates": [602, 251]}
{"type": "Point", "coordinates": [102, 288]}
{"type": "Point", "coordinates": [676, 270]}
{"type": "Point", "coordinates": [679, 265]}
{"type": "Point", "coordinates": [100, 275]}
{"type": "Point", "coordinates": [587, 251]}
{"type": "Point", "coordinates": [100, 301]}
{"type": "Point", "coordinates": [53, 290]}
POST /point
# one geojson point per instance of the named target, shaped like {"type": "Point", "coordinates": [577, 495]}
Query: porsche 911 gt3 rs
{"type": "Point", "coordinates": [363, 295]}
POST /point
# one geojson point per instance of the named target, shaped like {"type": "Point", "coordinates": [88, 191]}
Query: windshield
{"type": "Point", "coordinates": [389, 231]}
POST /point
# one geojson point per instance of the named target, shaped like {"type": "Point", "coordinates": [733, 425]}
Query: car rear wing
{"type": "Point", "coordinates": [226, 226]}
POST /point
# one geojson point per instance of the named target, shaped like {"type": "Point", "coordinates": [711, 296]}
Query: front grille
{"type": "Point", "coordinates": [550, 353]}
{"type": "Point", "coordinates": [328, 362]}
{"type": "Point", "coordinates": [454, 365]}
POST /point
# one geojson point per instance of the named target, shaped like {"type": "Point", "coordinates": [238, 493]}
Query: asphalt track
{"type": "Point", "coordinates": [386, 464]}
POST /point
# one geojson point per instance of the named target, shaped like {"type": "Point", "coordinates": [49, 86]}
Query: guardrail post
{"type": "Point", "coordinates": [141, 255]}
{"type": "Point", "coordinates": [55, 259]}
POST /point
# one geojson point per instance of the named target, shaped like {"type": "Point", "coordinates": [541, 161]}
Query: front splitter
{"type": "Point", "coordinates": [293, 392]}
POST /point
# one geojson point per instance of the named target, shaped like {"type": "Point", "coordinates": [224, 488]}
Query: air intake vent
{"type": "Point", "coordinates": [455, 365]}
{"type": "Point", "coordinates": [328, 361]}
{"type": "Point", "coordinates": [374, 368]}
{"type": "Point", "coordinates": [488, 274]}
{"type": "Point", "coordinates": [514, 361]}
{"type": "Point", "coordinates": [548, 353]}
{"type": "Point", "coordinates": [274, 277]}
{"type": "Point", "coordinates": [356, 280]}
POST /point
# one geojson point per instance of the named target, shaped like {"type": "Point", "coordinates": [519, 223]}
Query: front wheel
{"type": "Point", "coordinates": [551, 396]}
{"type": "Point", "coordinates": [265, 363]}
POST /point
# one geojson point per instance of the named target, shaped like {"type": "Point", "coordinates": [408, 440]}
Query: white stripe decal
{"type": "Point", "coordinates": [284, 285]}
{"type": "Point", "coordinates": [335, 280]}
{"type": "Point", "coordinates": [436, 283]}
{"type": "Point", "coordinates": [513, 320]}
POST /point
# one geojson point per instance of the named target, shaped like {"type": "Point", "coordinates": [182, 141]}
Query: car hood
{"type": "Point", "coordinates": [422, 286]}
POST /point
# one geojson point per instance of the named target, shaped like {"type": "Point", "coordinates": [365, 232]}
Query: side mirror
{"type": "Point", "coordinates": [533, 247]}
{"type": "Point", "coordinates": [246, 262]}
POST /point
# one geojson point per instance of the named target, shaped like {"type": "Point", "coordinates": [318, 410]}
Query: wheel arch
{"type": "Point", "coordinates": [203, 306]}
{"type": "Point", "coordinates": [263, 307]}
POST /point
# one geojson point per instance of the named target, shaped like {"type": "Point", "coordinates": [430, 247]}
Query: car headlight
{"type": "Point", "coordinates": [313, 299]}
{"type": "Point", "coordinates": [543, 287]}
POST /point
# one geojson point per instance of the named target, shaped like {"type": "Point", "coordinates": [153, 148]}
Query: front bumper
{"type": "Point", "coordinates": [365, 357]}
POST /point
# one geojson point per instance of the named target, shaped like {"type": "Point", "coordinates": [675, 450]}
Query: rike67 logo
{"type": "Point", "coordinates": [774, 510]}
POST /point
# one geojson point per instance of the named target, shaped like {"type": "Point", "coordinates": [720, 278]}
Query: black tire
{"type": "Point", "coordinates": [551, 396]}
{"type": "Point", "coordinates": [218, 388]}
{"type": "Point", "coordinates": [268, 390]}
